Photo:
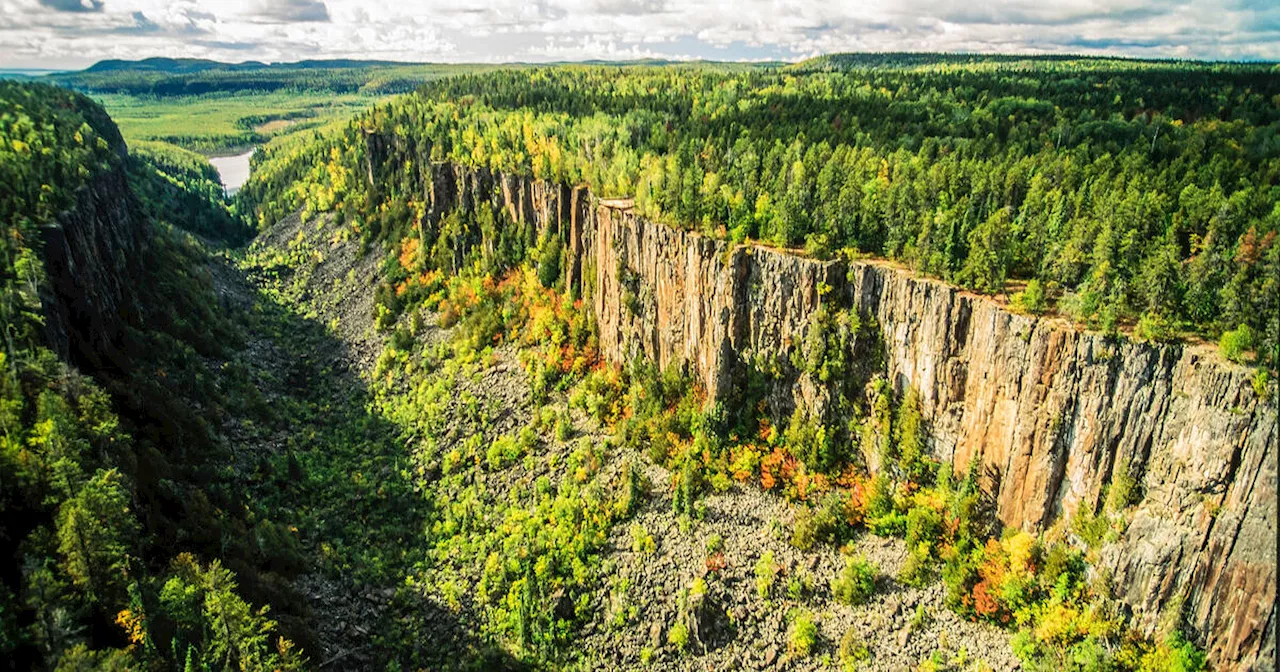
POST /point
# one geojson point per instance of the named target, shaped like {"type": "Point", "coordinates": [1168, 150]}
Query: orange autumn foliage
{"type": "Point", "coordinates": [409, 253]}
{"type": "Point", "coordinates": [777, 466]}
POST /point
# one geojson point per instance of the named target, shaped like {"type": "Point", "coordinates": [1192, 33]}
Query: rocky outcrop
{"type": "Point", "coordinates": [1050, 414]}
{"type": "Point", "coordinates": [1054, 415]}
{"type": "Point", "coordinates": [93, 254]}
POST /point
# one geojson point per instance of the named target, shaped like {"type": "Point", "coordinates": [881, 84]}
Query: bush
{"type": "Point", "coordinates": [804, 532]}
{"type": "Point", "coordinates": [687, 489]}
{"type": "Point", "coordinates": [909, 430]}
{"type": "Point", "coordinates": [799, 585]}
{"type": "Point", "coordinates": [1031, 299]}
{"type": "Point", "coordinates": [1260, 380]}
{"type": "Point", "coordinates": [853, 650]}
{"type": "Point", "coordinates": [1154, 326]}
{"type": "Point", "coordinates": [641, 540]}
{"type": "Point", "coordinates": [678, 636]}
{"type": "Point", "coordinates": [549, 262]}
{"type": "Point", "coordinates": [924, 525]}
{"type": "Point", "coordinates": [916, 570]}
{"type": "Point", "coordinates": [766, 571]}
{"type": "Point", "coordinates": [632, 489]}
{"type": "Point", "coordinates": [856, 583]}
{"type": "Point", "coordinates": [502, 452]}
{"type": "Point", "coordinates": [818, 246]}
{"type": "Point", "coordinates": [802, 636]}
{"type": "Point", "coordinates": [564, 426]}
{"type": "Point", "coordinates": [1236, 343]}
{"type": "Point", "coordinates": [1174, 654]}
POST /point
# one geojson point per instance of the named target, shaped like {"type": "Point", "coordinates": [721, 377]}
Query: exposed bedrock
{"type": "Point", "coordinates": [93, 253]}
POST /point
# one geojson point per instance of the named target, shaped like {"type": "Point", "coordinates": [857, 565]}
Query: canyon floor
{"type": "Point", "coordinates": [635, 599]}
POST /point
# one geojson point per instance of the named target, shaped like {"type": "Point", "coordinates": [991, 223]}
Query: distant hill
{"type": "Point", "coordinates": [189, 65]}
{"type": "Point", "coordinates": [194, 76]}
{"type": "Point", "coordinates": [853, 61]}
{"type": "Point", "coordinates": [170, 65]}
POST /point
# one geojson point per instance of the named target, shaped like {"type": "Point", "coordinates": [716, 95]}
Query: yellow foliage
{"type": "Point", "coordinates": [930, 498]}
{"type": "Point", "coordinates": [1019, 548]}
{"type": "Point", "coordinates": [134, 626]}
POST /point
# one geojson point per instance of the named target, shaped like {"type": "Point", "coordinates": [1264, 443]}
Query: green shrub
{"type": "Point", "coordinates": [503, 452]}
{"type": "Point", "coordinates": [1155, 326]}
{"type": "Point", "coordinates": [799, 584]}
{"type": "Point", "coordinates": [631, 489]}
{"type": "Point", "coordinates": [804, 531]}
{"type": "Point", "coordinates": [802, 635]}
{"type": "Point", "coordinates": [909, 430]}
{"type": "Point", "coordinates": [766, 571]}
{"type": "Point", "coordinates": [853, 651]}
{"type": "Point", "coordinates": [1031, 299]}
{"type": "Point", "coordinates": [1174, 654]}
{"type": "Point", "coordinates": [1236, 343]}
{"type": "Point", "coordinates": [678, 636]}
{"type": "Point", "coordinates": [564, 426]}
{"type": "Point", "coordinates": [549, 262]}
{"type": "Point", "coordinates": [641, 540]}
{"type": "Point", "coordinates": [924, 526]}
{"type": "Point", "coordinates": [818, 246]}
{"type": "Point", "coordinates": [687, 488]}
{"type": "Point", "coordinates": [1260, 380]}
{"type": "Point", "coordinates": [856, 583]}
{"type": "Point", "coordinates": [916, 571]}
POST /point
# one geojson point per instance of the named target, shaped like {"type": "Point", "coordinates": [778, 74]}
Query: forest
{"type": "Point", "coordinates": [1125, 195]}
{"type": "Point", "coordinates": [128, 540]}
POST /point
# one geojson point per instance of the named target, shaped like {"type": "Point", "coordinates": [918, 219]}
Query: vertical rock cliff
{"type": "Point", "coordinates": [1051, 415]}
{"type": "Point", "coordinates": [93, 253]}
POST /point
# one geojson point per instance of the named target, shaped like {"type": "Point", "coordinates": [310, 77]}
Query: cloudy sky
{"type": "Point", "coordinates": [76, 33]}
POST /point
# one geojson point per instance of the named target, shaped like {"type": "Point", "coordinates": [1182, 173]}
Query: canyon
{"type": "Point", "coordinates": [1049, 414]}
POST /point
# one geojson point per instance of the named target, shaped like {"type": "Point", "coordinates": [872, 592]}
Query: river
{"type": "Point", "coordinates": [234, 170]}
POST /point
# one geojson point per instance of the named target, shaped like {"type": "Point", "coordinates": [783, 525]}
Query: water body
{"type": "Point", "coordinates": [233, 170]}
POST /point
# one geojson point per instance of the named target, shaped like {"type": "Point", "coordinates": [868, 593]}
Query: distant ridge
{"type": "Point", "coordinates": [908, 59]}
{"type": "Point", "coordinates": [191, 65]}
{"type": "Point", "coordinates": [196, 76]}
{"type": "Point", "coordinates": [170, 65]}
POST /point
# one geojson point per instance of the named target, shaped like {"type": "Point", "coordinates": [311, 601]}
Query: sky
{"type": "Point", "coordinates": [71, 34]}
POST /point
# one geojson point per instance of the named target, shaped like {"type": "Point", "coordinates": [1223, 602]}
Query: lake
{"type": "Point", "coordinates": [234, 170]}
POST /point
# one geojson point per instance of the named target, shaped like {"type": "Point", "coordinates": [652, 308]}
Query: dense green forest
{"type": "Point", "coordinates": [1120, 193]}
{"type": "Point", "coordinates": [123, 540]}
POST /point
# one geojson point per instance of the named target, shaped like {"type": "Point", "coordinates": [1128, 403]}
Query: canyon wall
{"type": "Point", "coordinates": [93, 254]}
{"type": "Point", "coordinates": [1050, 414]}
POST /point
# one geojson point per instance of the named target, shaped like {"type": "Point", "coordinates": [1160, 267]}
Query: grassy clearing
{"type": "Point", "coordinates": [218, 123]}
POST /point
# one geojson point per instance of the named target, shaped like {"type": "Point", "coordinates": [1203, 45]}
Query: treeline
{"type": "Point", "coordinates": [1120, 192]}
{"type": "Point", "coordinates": [377, 78]}
{"type": "Point", "coordinates": [124, 544]}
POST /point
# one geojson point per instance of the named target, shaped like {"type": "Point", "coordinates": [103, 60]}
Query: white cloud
{"type": "Point", "coordinates": [74, 33]}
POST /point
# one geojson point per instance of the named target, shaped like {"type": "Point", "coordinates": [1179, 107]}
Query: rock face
{"type": "Point", "coordinates": [1050, 415]}
{"type": "Point", "coordinates": [92, 255]}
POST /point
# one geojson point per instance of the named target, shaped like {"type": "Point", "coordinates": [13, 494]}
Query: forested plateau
{"type": "Point", "coordinates": [895, 362]}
